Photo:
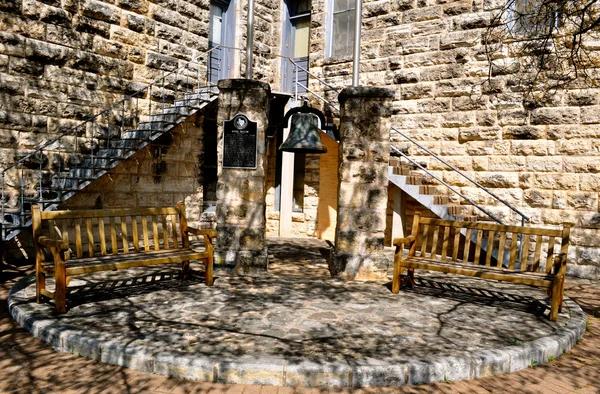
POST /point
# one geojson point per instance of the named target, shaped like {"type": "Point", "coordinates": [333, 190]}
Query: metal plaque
{"type": "Point", "coordinates": [239, 143]}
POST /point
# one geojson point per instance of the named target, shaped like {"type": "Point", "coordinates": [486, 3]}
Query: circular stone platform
{"type": "Point", "coordinates": [298, 327]}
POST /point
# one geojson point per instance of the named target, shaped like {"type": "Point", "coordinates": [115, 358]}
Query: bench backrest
{"type": "Point", "coordinates": [515, 247]}
{"type": "Point", "coordinates": [100, 232]}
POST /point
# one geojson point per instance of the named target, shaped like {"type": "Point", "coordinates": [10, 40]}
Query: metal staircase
{"type": "Point", "coordinates": [60, 167]}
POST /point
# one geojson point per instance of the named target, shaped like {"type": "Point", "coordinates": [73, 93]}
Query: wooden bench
{"type": "Point", "coordinates": [86, 241]}
{"type": "Point", "coordinates": [515, 254]}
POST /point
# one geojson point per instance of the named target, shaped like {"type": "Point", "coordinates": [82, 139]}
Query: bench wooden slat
{"type": "Point", "coordinates": [491, 226]}
{"type": "Point", "coordinates": [456, 243]}
{"type": "Point", "coordinates": [550, 255]}
{"type": "Point", "coordinates": [65, 234]}
{"type": "Point", "coordinates": [425, 240]}
{"type": "Point", "coordinates": [490, 247]}
{"type": "Point", "coordinates": [113, 236]}
{"type": "Point", "coordinates": [124, 235]}
{"type": "Point", "coordinates": [155, 232]}
{"type": "Point", "coordinates": [95, 213]}
{"type": "Point", "coordinates": [165, 232]}
{"type": "Point", "coordinates": [434, 242]}
{"type": "Point", "coordinates": [90, 265]}
{"type": "Point", "coordinates": [174, 229]}
{"type": "Point", "coordinates": [480, 272]}
{"type": "Point", "coordinates": [467, 245]}
{"type": "Point", "coordinates": [445, 242]}
{"type": "Point", "coordinates": [501, 246]}
{"type": "Point", "coordinates": [102, 235]}
{"type": "Point", "coordinates": [538, 254]}
{"type": "Point", "coordinates": [478, 246]}
{"type": "Point", "coordinates": [513, 251]}
{"type": "Point", "coordinates": [145, 233]}
{"type": "Point", "coordinates": [78, 245]}
{"type": "Point", "coordinates": [134, 233]}
{"type": "Point", "coordinates": [52, 229]}
{"type": "Point", "coordinates": [90, 236]}
{"type": "Point", "coordinates": [525, 253]}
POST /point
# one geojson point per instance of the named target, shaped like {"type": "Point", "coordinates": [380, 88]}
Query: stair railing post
{"type": "Point", "coordinates": [92, 155]}
{"type": "Point", "coordinates": [163, 92]}
{"type": "Point", "coordinates": [122, 118]}
{"type": "Point", "coordinates": [76, 163]}
{"type": "Point", "coordinates": [296, 82]}
{"type": "Point", "coordinates": [41, 177]}
{"type": "Point", "coordinates": [22, 197]}
{"type": "Point", "coordinates": [3, 204]}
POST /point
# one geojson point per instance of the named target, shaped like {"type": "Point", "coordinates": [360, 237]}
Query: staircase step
{"type": "Point", "coordinates": [441, 200]}
{"type": "Point", "coordinates": [431, 190]}
{"type": "Point", "coordinates": [164, 117]}
{"type": "Point", "coordinates": [460, 210]}
{"type": "Point", "coordinates": [159, 126]}
{"type": "Point", "coordinates": [414, 179]}
{"type": "Point", "coordinates": [204, 96]}
{"type": "Point", "coordinates": [179, 110]}
{"type": "Point", "coordinates": [467, 218]}
{"type": "Point", "coordinates": [190, 103]}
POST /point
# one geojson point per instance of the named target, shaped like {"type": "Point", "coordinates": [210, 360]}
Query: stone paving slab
{"type": "Point", "coordinates": [301, 330]}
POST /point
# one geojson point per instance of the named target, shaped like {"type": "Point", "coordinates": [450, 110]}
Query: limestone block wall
{"type": "Point", "coordinates": [543, 159]}
{"type": "Point", "coordinates": [62, 61]}
{"type": "Point", "coordinates": [161, 174]}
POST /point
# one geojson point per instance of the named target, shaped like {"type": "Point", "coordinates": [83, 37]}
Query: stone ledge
{"type": "Point", "coordinates": [292, 372]}
{"type": "Point", "coordinates": [243, 84]}
{"type": "Point", "coordinates": [366, 92]}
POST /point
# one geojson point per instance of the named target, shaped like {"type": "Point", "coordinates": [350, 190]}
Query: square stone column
{"type": "Point", "coordinates": [241, 208]}
{"type": "Point", "coordinates": [364, 153]}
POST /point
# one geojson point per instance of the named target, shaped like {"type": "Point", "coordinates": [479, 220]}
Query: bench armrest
{"type": "Point", "coordinates": [197, 231]}
{"type": "Point", "coordinates": [52, 243]}
{"type": "Point", "coordinates": [402, 241]}
{"type": "Point", "coordinates": [560, 261]}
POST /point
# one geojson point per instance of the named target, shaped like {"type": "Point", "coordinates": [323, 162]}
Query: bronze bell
{"type": "Point", "coordinates": [304, 135]}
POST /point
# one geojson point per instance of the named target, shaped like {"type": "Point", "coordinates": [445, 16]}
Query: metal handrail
{"type": "Point", "coordinates": [447, 185]}
{"type": "Point", "coordinates": [480, 186]}
{"type": "Point", "coordinates": [106, 110]}
{"type": "Point", "coordinates": [319, 97]}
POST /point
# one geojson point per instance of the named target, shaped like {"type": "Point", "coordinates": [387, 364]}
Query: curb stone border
{"type": "Point", "coordinates": [295, 372]}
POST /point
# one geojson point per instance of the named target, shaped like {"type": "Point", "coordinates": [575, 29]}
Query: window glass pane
{"type": "Point", "coordinates": [343, 33]}
{"type": "Point", "coordinates": [216, 24]}
{"type": "Point", "coordinates": [342, 5]}
{"type": "Point", "coordinates": [301, 38]}
{"type": "Point", "coordinates": [301, 7]}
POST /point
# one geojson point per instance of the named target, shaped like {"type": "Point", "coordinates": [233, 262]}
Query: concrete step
{"type": "Point", "coordinates": [432, 190]}
{"type": "Point", "coordinates": [461, 210]}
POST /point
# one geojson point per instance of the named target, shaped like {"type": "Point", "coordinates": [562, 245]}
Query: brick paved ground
{"type": "Point", "coordinates": [28, 365]}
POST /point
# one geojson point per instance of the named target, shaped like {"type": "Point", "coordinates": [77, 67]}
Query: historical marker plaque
{"type": "Point", "coordinates": [239, 143]}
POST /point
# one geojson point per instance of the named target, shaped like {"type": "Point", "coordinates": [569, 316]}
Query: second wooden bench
{"type": "Point", "coordinates": [84, 241]}
{"type": "Point", "coordinates": [517, 254]}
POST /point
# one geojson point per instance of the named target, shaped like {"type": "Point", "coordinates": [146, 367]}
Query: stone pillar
{"type": "Point", "coordinates": [241, 217]}
{"type": "Point", "coordinates": [364, 153]}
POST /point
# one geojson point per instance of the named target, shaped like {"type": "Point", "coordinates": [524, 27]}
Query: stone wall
{"type": "Point", "coordinates": [544, 160]}
{"type": "Point", "coordinates": [62, 61]}
{"type": "Point", "coordinates": [161, 174]}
